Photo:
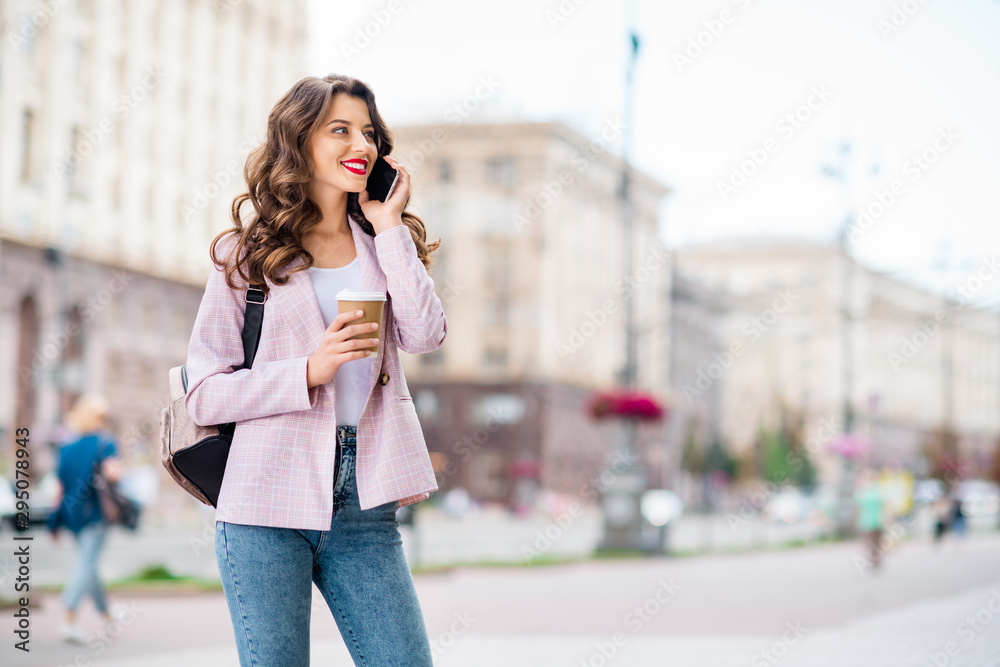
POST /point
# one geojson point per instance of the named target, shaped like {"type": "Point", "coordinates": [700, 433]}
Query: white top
{"type": "Point", "coordinates": [350, 384]}
{"type": "Point", "coordinates": [359, 295]}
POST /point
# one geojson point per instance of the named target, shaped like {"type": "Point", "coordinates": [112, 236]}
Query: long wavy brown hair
{"type": "Point", "coordinates": [278, 173]}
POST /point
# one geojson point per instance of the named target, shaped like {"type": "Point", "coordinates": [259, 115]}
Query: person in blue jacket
{"type": "Point", "coordinates": [79, 510]}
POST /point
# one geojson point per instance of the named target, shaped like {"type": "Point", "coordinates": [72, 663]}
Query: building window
{"type": "Point", "coordinates": [151, 201]}
{"type": "Point", "coordinates": [498, 409]}
{"type": "Point", "coordinates": [116, 190]}
{"type": "Point", "coordinates": [27, 345]}
{"type": "Point", "coordinates": [72, 161]}
{"type": "Point", "coordinates": [79, 146]}
{"type": "Point", "coordinates": [495, 357]}
{"type": "Point", "coordinates": [427, 404]}
{"type": "Point", "coordinates": [432, 360]}
{"type": "Point", "coordinates": [496, 313]}
{"type": "Point", "coordinates": [26, 37]}
{"type": "Point", "coordinates": [487, 475]}
{"type": "Point", "coordinates": [27, 145]}
{"type": "Point", "coordinates": [498, 266]}
{"type": "Point", "coordinates": [73, 370]}
{"type": "Point", "coordinates": [500, 171]}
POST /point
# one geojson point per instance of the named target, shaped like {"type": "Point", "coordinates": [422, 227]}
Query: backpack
{"type": "Point", "coordinates": [195, 456]}
{"type": "Point", "coordinates": [116, 507]}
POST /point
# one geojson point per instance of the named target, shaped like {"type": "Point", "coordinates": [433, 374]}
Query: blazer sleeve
{"type": "Point", "coordinates": [219, 390]}
{"type": "Point", "coordinates": [419, 321]}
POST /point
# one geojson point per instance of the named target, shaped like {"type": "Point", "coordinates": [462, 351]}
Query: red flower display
{"type": "Point", "coordinates": [851, 446]}
{"type": "Point", "coordinates": [626, 404]}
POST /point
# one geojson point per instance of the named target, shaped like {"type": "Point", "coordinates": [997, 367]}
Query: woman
{"type": "Point", "coordinates": [80, 512]}
{"type": "Point", "coordinates": [327, 444]}
{"type": "Point", "coordinates": [871, 515]}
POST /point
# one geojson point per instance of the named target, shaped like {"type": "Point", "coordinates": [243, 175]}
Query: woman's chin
{"type": "Point", "coordinates": [343, 184]}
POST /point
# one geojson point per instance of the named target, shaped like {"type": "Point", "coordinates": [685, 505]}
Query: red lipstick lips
{"type": "Point", "coordinates": [358, 167]}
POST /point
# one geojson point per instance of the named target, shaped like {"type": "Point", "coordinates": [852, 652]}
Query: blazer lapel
{"type": "Point", "coordinates": [364, 245]}
{"type": "Point", "coordinates": [299, 308]}
{"type": "Point", "coordinates": [374, 281]}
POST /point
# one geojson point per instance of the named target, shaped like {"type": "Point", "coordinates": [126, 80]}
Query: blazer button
{"type": "Point", "coordinates": [384, 380]}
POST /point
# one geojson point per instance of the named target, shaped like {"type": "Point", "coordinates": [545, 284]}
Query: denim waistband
{"type": "Point", "coordinates": [347, 434]}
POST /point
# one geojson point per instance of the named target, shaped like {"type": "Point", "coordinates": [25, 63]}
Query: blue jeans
{"type": "Point", "coordinates": [84, 578]}
{"type": "Point", "coordinates": [358, 565]}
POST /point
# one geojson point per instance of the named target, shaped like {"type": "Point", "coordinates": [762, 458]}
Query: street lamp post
{"type": "Point", "coordinates": [621, 501]}
{"type": "Point", "coordinates": [842, 525]}
{"type": "Point", "coordinates": [842, 173]}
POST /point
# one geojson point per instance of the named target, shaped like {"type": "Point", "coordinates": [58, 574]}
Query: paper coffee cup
{"type": "Point", "coordinates": [370, 302]}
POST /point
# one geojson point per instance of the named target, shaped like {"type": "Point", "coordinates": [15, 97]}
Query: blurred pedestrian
{"type": "Point", "coordinates": [942, 517]}
{"type": "Point", "coordinates": [957, 517]}
{"type": "Point", "coordinates": [871, 515]}
{"type": "Point", "coordinates": [311, 492]}
{"type": "Point", "coordinates": [79, 510]}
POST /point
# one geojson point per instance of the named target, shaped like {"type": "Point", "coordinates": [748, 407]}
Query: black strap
{"type": "Point", "coordinates": [253, 320]}
{"type": "Point", "coordinates": [252, 323]}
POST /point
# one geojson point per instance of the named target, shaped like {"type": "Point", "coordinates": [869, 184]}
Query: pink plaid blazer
{"type": "Point", "coordinates": [280, 469]}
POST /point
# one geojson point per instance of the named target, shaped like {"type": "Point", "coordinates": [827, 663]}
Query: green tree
{"type": "Point", "coordinates": [785, 461]}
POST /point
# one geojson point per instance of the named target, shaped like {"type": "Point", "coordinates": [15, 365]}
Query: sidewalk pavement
{"type": "Point", "coordinates": [186, 548]}
{"type": "Point", "coordinates": [809, 607]}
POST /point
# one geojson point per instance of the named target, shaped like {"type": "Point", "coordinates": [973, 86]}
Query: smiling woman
{"type": "Point", "coordinates": [346, 142]}
{"type": "Point", "coordinates": [300, 196]}
{"type": "Point", "coordinates": [327, 445]}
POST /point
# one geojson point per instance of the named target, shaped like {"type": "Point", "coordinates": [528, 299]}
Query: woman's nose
{"type": "Point", "coordinates": [361, 143]}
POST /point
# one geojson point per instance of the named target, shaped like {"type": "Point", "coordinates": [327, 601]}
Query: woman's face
{"type": "Point", "coordinates": [343, 148]}
{"type": "Point", "coordinates": [90, 420]}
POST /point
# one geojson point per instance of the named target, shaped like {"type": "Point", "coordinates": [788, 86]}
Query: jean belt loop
{"type": "Point", "coordinates": [348, 434]}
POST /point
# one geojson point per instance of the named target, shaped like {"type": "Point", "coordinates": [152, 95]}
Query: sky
{"type": "Point", "coordinates": [739, 106]}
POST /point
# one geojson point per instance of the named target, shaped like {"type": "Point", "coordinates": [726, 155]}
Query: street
{"type": "Point", "coordinates": [809, 606]}
{"type": "Point", "coordinates": [186, 547]}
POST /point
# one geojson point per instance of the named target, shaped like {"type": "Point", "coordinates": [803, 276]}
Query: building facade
{"type": "Point", "coordinates": [811, 330]}
{"type": "Point", "coordinates": [532, 276]}
{"type": "Point", "coordinates": [124, 126]}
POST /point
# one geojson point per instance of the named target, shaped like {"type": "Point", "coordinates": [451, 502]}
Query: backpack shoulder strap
{"type": "Point", "coordinates": [252, 323]}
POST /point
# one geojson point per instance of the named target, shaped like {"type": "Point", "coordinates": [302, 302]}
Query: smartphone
{"type": "Point", "coordinates": [382, 180]}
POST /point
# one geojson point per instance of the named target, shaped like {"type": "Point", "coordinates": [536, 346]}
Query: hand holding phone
{"type": "Point", "coordinates": [382, 180]}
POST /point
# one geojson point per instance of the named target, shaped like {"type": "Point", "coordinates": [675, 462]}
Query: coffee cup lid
{"type": "Point", "coordinates": [359, 295]}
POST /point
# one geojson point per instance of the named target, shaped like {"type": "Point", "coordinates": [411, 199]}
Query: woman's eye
{"type": "Point", "coordinates": [370, 134]}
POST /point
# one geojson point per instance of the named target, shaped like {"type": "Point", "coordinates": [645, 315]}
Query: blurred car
{"type": "Point", "coordinates": [43, 499]}
{"type": "Point", "coordinates": [926, 491]}
{"type": "Point", "coordinates": [979, 497]}
{"type": "Point", "coordinates": [8, 503]}
{"type": "Point", "coordinates": [825, 502]}
{"type": "Point", "coordinates": [788, 505]}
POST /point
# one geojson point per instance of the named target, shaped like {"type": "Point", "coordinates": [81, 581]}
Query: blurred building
{"type": "Point", "coordinates": [124, 127]}
{"type": "Point", "coordinates": [919, 363]}
{"type": "Point", "coordinates": [531, 273]}
{"type": "Point", "coordinates": [697, 317]}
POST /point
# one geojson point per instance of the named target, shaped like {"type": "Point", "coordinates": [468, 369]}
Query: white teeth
{"type": "Point", "coordinates": [354, 165]}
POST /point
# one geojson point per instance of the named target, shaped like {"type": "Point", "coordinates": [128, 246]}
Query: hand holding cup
{"type": "Point", "coordinates": [343, 342]}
